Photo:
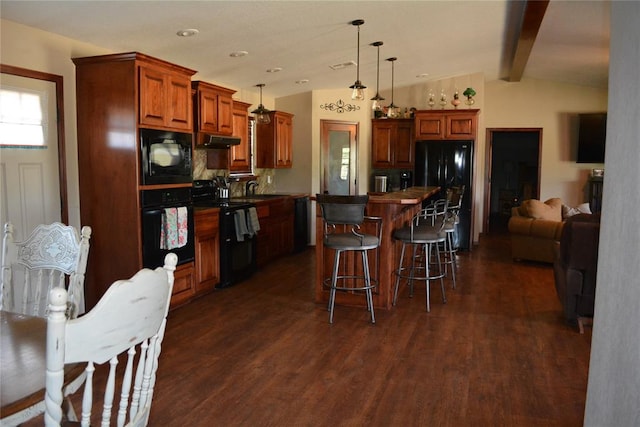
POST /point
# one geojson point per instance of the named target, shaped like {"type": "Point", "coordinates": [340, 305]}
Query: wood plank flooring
{"type": "Point", "coordinates": [263, 354]}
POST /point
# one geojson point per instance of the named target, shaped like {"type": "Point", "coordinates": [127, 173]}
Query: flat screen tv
{"type": "Point", "coordinates": [592, 135]}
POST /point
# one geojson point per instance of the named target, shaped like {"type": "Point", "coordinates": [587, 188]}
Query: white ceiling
{"type": "Point", "coordinates": [439, 38]}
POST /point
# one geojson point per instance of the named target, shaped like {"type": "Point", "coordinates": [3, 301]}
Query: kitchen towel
{"type": "Point", "coordinates": [253, 225]}
{"type": "Point", "coordinates": [240, 220]}
{"type": "Point", "coordinates": [174, 230]}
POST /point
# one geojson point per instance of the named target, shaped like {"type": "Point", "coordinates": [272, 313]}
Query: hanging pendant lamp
{"type": "Point", "coordinates": [358, 87]}
{"type": "Point", "coordinates": [392, 110]}
{"type": "Point", "coordinates": [377, 106]}
{"type": "Point", "coordinates": [262, 114]}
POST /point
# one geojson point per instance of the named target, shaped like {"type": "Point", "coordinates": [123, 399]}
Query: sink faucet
{"type": "Point", "coordinates": [250, 187]}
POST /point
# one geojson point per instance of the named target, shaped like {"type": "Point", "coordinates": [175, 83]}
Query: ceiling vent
{"type": "Point", "coordinates": [343, 65]}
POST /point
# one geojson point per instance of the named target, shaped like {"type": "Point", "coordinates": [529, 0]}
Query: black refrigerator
{"type": "Point", "coordinates": [448, 164]}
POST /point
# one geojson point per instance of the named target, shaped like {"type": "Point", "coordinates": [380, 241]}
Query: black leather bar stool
{"type": "Point", "coordinates": [424, 234]}
{"type": "Point", "coordinates": [343, 217]}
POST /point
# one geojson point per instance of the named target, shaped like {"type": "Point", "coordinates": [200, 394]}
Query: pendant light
{"type": "Point", "coordinates": [358, 87]}
{"type": "Point", "coordinates": [262, 114]}
{"type": "Point", "coordinates": [392, 110]}
{"type": "Point", "coordinates": [377, 106]}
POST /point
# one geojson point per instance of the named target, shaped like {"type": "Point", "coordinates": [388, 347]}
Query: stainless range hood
{"type": "Point", "coordinates": [205, 140]}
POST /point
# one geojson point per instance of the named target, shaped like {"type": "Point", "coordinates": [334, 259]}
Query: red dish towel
{"type": "Point", "coordinates": [174, 230]}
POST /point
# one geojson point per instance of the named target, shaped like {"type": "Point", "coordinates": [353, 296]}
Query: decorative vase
{"type": "Point", "coordinates": [443, 99]}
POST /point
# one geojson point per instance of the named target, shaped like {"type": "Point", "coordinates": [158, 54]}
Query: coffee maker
{"type": "Point", "coordinates": [406, 180]}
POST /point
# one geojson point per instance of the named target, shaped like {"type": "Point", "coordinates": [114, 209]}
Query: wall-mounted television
{"type": "Point", "coordinates": [592, 135]}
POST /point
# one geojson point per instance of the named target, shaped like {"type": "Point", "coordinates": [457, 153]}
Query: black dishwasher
{"type": "Point", "coordinates": [300, 224]}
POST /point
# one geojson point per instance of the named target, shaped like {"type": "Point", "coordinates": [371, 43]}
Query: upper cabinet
{"type": "Point", "coordinates": [274, 141]}
{"type": "Point", "coordinates": [446, 124]}
{"type": "Point", "coordinates": [165, 97]}
{"type": "Point", "coordinates": [392, 143]}
{"type": "Point", "coordinates": [213, 109]}
{"type": "Point", "coordinates": [240, 155]}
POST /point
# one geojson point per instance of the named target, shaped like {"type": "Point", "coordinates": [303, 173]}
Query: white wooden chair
{"type": "Point", "coordinates": [129, 318]}
{"type": "Point", "coordinates": [52, 256]}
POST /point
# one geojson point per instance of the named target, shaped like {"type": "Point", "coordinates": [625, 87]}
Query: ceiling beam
{"type": "Point", "coordinates": [531, 21]}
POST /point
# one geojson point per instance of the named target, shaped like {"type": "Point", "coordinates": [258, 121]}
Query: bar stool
{"type": "Point", "coordinates": [426, 233]}
{"type": "Point", "coordinates": [343, 216]}
{"type": "Point", "coordinates": [451, 221]}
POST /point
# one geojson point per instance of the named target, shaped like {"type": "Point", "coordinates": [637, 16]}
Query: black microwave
{"type": "Point", "coordinates": [166, 157]}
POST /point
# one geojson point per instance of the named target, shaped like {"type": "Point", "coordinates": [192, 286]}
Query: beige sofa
{"type": "Point", "coordinates": [535, 227]}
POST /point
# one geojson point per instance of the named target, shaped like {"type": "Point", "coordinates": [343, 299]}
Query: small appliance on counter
{"type": "Point", "coordinates": [380, 184]}
{"type": "Point", "coordinates": [406, 179]}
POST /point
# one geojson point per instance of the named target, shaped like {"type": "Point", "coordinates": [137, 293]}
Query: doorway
{"type": "Point", "coordinates": [339, 142]}
{"type": "Point", "coordinates": [33, 175]}
{"type": "Point", "coordinates": [512, 173]}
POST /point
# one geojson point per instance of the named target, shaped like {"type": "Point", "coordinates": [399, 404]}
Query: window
{"type": "Point", "coordinates": [344, 169]}
{"type": "Point", "coordinates": [23, 118]}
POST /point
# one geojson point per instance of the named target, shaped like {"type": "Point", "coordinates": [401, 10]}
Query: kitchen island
{"type": "Point", "coordinates": [396, 210]}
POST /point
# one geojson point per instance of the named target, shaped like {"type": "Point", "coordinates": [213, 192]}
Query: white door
{"type": "Point", "coordinates": [29, 175]}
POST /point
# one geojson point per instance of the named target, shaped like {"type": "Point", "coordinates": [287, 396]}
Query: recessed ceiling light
{"type": "Point", "coordinates": [274, 69]}
{"type": "Point", "coordinates": [302, 81]}
{"type": "Point", "coordinates": [188, 32]}
{"type": "Point", "coordinates": [342, 65]}
{"type": "Point", "coordinates": [238, 53]}
{"type": "Point", "coordinates": [422, 76]}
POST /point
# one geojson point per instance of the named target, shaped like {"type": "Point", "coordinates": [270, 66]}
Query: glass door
{"type": "Point", "coordinates": [339, 157]}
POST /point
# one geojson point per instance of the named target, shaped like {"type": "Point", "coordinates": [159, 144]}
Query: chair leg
{"type": "Point", "coordinates": [452, 258]}
{"type": "Point", "coordinates": [427, 260]}
{"type": "Point", "coordinates": [398, 273]}
{"type": "Point", "coordinates": [367, 284]}
{"type": "Point", "coordinates": [334, 283]}
{"type": "Point", "coordinates": [441, 274]}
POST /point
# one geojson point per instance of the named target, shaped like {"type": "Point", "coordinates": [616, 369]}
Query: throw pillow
{"type": "Point", "coordinates": [550, 209]}
{"type": "Point", "coordinates": [568, 211]}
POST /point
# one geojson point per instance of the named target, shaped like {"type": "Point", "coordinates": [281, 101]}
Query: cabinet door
{"type": "Point", "coordinates": [153, 97]}
{"type": "Point", "coordinates": [284, 137]}
{"type": "Point", "coordinates": [430, 127]}
{"type": "Point", "coordinates": [225, 114]}
{"type": "Point", "coordinates": [381, 145]}
{"type": "Point", "coordinates": [403, 151]}
{"type": "Point", "coordinates": [207, 111]}
{"type": "Point", "coordinates": [207, 249]}
{"type": "Point", "coordinates": [461, 127]}
{"type": "Point", "coordinates": [240, 160]}
{"type": "Point", "coordinates": [180, 114]}
{"type": "Point", "coordinates": [183, 289]}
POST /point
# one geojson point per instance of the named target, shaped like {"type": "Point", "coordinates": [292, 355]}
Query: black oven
{"type": "Point", "coordinates": [165, 157]}
{"type": "Point", "coordinates": [237, 255]}
{"type": "Point", "coordinates": [167, 226]}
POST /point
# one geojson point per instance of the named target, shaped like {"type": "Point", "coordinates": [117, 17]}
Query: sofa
{"type": "Point", "coordinates": [535, 227]}
{"type": "Point", "coordinates": [575, 267]}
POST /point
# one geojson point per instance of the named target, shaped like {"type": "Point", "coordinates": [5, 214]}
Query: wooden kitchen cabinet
{"type": "Point", "coordinates": [116, 95]}
{"type": "Point", "coordinates": [237, 158]}
{"type": "Point", "coordinates": [207, 263]}
{"type": "Point", "coordinates": [392, 143]}
{"type": "Point", "coordinates": [446, 124]}
{"type": "Point", "coordinates": [240, 155]}
{"type": "Point", "coordinates": [183, 289]}
{"type": "Point", "coordinates": [213, 109]}
{"type": "Point", "coordinates": [274, 141]}
{"type": "Point", "coordinates": [275, 237]}
{"type": "Point", "coordinates": [165, 98]}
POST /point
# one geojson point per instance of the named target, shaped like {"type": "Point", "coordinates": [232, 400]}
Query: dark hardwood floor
{"type": "Point", "coordinates": [263, 354]}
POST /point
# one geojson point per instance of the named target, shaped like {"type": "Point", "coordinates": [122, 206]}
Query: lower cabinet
{"type": "Point", "coordinates": [183, 280]}
{"type": "Point", "coordinates": [207, 263]}
{"type": "Point", "coordinates": [275, 237]}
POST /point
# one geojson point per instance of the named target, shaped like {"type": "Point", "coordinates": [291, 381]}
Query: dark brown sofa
{"type": "Point", "coordinates": [575, 267]}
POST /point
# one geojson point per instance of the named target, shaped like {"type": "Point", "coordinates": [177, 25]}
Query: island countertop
{"type": "Point", "coordinates": [396, 209]}
{"type": "Point", "coordinates": [409, 196]}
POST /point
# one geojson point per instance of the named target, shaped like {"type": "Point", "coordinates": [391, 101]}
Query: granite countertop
{"type": "Point", "coordinates": [410, 196]}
